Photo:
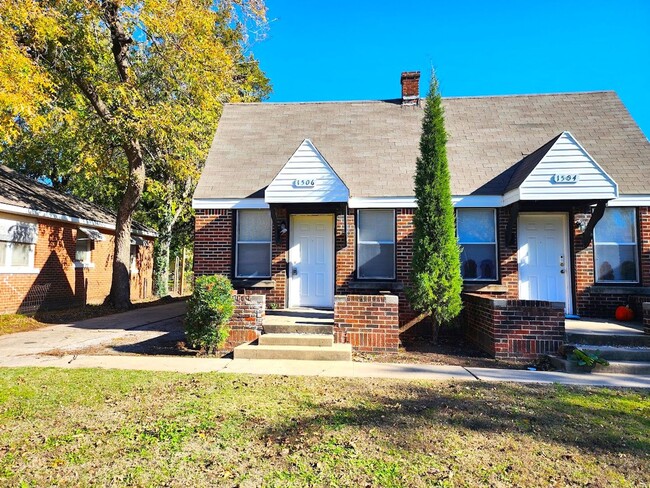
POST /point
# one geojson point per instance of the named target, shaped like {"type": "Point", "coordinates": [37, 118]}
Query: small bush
{"type": "Point", "coordinates": [208, 311]}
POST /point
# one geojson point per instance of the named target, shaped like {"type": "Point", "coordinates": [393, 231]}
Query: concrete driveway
{"type": "Point", "coordinates": [147, 322]}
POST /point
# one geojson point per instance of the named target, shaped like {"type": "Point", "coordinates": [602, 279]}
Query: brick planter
{"type": "Point", "coordinates": [369, 322]}
{"type": "Point", "coordinates": [514, 329]}
{"type": "Point", "coordinates": [246, 321]}
{"type": "Point", "coordinates": [646, 318]}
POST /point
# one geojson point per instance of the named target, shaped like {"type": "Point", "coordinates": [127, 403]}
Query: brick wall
{"type": "Point", "coordinates": [246, 321]}
{"type": "Point", "coordinates": [213, 238]}
{"type": "Point", "coordinates": [58, 283]}
{"type": "Point", "coordinates": [646, 318]}
{"type": "Point", "coordinates": [368, 322]}
{"type": "Point", "coordinates": [513, 329]}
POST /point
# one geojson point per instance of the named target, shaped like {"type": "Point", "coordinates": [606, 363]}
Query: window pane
{"type": "Point", "coordinates": [3, 253]}
{"type": "Point", "coordinates": [476, 225]}
{"type": "Point", "coordinates": [376, 261]}
{"type": "Point", "coordinates": [615, 263]}
{"type": "Point", "coordinates": [376, 225]}
{"type": "Point", "coordinates": [617, 225]}
{"type": "Point", "coordinates": [254, 225]}
{"type": "Point", "coordinates": [20, 254]}
{"type": "Point", "coordinates": [82, 251]}
{"type": "Point", "coordinates": [253, 260]}
{"type": "Point", "coordinates": [478, 262]}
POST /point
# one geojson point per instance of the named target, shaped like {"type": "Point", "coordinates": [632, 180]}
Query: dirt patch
{"type": "Point", "coordinates": [452, 350]}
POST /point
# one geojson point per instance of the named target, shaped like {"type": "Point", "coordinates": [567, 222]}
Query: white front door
{"type": "Point", "coordinates": [544, 261]}
{"type": "Point", "coordinates": [311, 261]}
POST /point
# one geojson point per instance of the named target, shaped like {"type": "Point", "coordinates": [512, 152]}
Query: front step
{"type": "Point", "coordinates": [595, 339]}
{"type": "Point", "coordinates": [615, 367]}
{"type": "Point", "coordinates": [319, 340]}
{"type": "Point", "coordinates": [298, 329]}
{"type": "Point", "coordinates": [335, 352]}
{"type": "Point", "coordinates": [617, 353]}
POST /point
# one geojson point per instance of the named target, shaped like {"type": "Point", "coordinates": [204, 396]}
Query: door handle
{"type": "Point", "coordinates": [294, 271]}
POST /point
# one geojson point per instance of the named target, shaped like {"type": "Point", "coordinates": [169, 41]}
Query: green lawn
{"type": "Point", "coordinates": [96, 427]}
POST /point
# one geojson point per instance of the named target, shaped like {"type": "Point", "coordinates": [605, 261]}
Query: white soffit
{"type": "Point", "coordinates": [565, 172]}
{"type": "Point", "coordinates": [306, 178]}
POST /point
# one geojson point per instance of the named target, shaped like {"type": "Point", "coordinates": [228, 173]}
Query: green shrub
{"type": "Point", "coordinates": [208, 311]}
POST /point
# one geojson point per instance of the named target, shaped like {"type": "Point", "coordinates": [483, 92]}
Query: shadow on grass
{"type": "Point", "coordinates": [541, 413]}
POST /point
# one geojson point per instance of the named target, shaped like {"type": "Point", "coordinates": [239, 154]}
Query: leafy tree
{"type": "Point", "coordinates": [436, 280]}
{"type": "Point", "coordinates": [116, 100]}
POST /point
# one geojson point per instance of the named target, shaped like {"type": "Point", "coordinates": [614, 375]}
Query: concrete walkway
{"type": "Point", "coordinates": [27, 348]}
{"type": "Point", "coordinates": [148, 321]}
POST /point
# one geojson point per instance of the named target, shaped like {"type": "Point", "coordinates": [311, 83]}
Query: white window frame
{"type": "Point", "coordinates": [133, 259]}
{"type": "Point", "coordinates": [360, 242]}
{"type": "Point", "coordinates": [8, 268]}
{"type": "Point", "coordinates": [611, 243]}
{"type": "Point", "coordinates": [495, 243]}
{"type": "Point", "coordinates": [238, 242]}
{"type": "Point", "coordinates": [89, 242]}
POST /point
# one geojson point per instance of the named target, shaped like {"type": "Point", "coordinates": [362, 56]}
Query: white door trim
{"type": "Point", "coordinates": [293, 299]}
{"type": "Point", "coordinates": [568, 275]}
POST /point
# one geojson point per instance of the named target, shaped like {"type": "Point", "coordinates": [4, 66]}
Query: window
{"type": "Point", "coordinates": [17, 243]}
{"type": "Point", "coordinates": [253, 250]}
{"type": "Point", "coordinates": [134, 259]}
{"type": "Point", "coordinates": [83, 249]}
{"type": "Point", "coordinates": [476, 229]}
{"type": "Point", "coordinates": [376, 244]}
{"type": "Point", "coordinates": [615, 246]}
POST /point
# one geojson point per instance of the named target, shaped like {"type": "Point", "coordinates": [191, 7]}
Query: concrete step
{"type": "Point", "coordinates": [595, 339]}
{"type": "Point", "coordinates": [617, 353]}
{"type": "Point", "coordinates": [326, 329]}
{"type": "Point", "coordinates": [337, 352]}
{"type": "Point", "coordinates": [320, 340]}
{"type": "Point", "coordinates": [615, 367]}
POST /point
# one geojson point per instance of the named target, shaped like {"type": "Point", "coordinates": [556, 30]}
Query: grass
{"type": "Point", "coordinates": [11, 323]}
{"type": "Point", "coordinates": [98, 427]}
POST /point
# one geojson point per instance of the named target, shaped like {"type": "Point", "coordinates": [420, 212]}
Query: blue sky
{"type": "Point", "coordinates": [334, 50]}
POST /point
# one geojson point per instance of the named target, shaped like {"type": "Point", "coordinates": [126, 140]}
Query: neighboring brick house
{"type": "Point", "coordinates": [56, 250]}
{"type": "Point", "coordinates": [305, 201]}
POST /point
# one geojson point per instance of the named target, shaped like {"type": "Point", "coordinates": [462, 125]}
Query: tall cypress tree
{"type": "Point", "coordinates": [436, 281]}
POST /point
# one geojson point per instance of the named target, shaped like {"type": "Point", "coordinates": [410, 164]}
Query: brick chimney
{"type": "Point", "coordinates": [410, 88]}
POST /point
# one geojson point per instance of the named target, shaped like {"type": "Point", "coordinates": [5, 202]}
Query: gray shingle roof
{"type": "Point", "coordinates": [20, 191]}
{"type": "Point", "coordinates": [373, 145]}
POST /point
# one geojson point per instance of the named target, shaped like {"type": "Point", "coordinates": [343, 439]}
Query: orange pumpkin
{"type": "Point", "coordinates": [624, 313]}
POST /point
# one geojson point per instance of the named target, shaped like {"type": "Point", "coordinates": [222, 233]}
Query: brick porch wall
{"type": "Point", "coordinates": [246, 321]}
{"type": "Point", "coordinates": [513, 329]}
{"type": "Point", "coordinates": [368, 322]}
{"type": "Point", "coordinates": [646, 318]}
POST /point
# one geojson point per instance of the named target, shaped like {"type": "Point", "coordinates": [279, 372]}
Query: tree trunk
{"type": "Point", "coordinates": [120, 295]}
{"type": "Point", "coordinates": [435, 330]}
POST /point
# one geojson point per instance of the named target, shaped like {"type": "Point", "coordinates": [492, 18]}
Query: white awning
{"type": "Point", "coordinates": [93, 234]}
{"type": "Point", "coordinates": [139, 241]}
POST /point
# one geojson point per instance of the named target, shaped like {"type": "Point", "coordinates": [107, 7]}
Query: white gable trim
{"type": "Point", "coordinates": [566, 158]}
{"type": "Point", "coordinates": [14, 209]}
{"type": "Point", "coordinates": [306, 178]}
{"type": "Point", "coordinates": [459, 201]}
{"type": "Point", "coordinates": [225, 203]}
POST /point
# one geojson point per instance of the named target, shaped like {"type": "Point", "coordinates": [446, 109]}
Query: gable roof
{"type": "Point", "coordinates": [39, 199]}
{"type": "Point", "coordinates": [560, 170]}
{"type": "Point", "coordinates": [306, 178]}
{"type": "Point", "coordinates": [373, 145]}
